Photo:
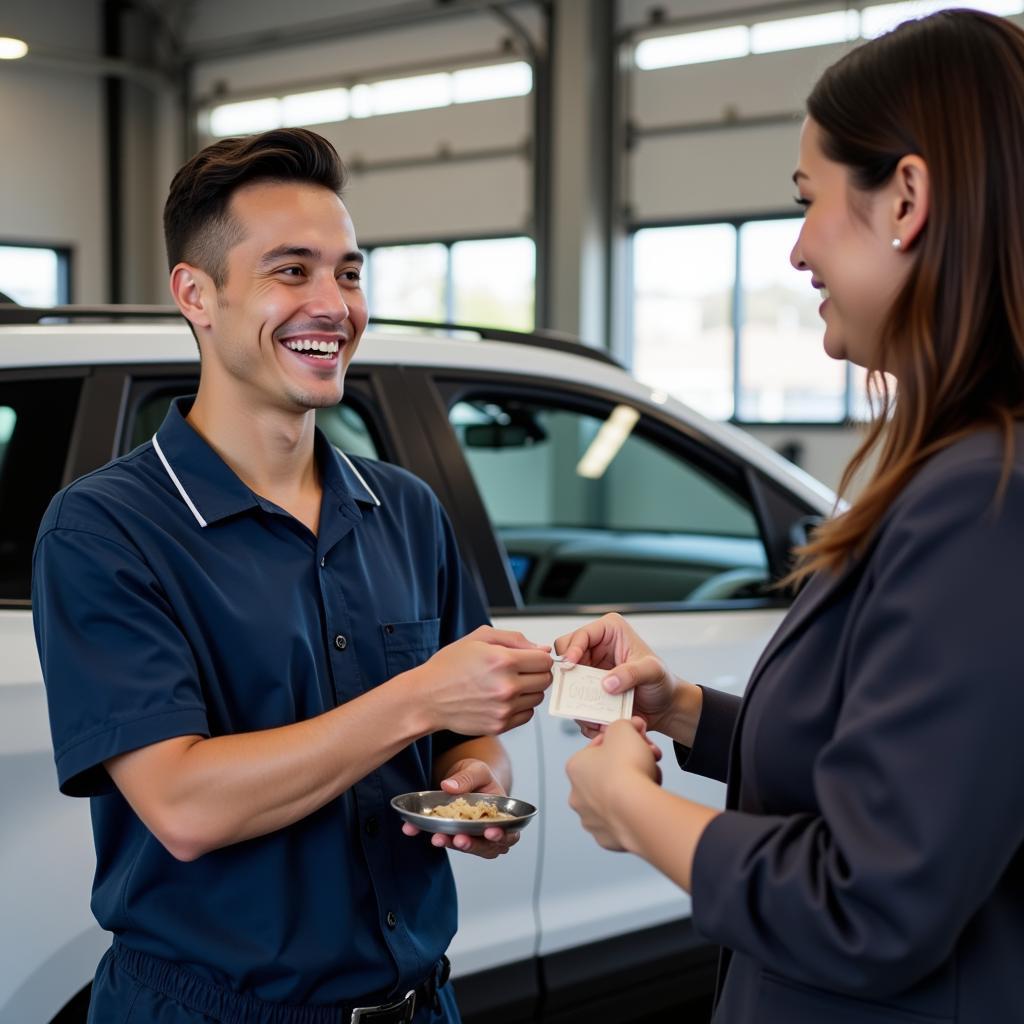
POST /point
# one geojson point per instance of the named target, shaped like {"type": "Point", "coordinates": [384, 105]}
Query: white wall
{"type": "Point", "coordinates": [52, 164]}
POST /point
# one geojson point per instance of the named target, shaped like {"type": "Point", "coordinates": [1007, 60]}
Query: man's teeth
{"type": "Point", "coordinates": [324, 349]}
{"type": "Point", "coordinates": [823, 292]}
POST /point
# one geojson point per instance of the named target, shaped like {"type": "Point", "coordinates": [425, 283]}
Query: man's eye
{"type": "Point", "coordinates": [351, 275]}
{"type": "Point", "coordinates": [291, 271]}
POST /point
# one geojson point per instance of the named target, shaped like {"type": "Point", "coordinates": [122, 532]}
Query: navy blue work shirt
{"type": "Point", "coordinates": [169, 600]}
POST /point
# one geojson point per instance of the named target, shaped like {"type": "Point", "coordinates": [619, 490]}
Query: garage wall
{"type": "Point", "coordinates": [52, 162]}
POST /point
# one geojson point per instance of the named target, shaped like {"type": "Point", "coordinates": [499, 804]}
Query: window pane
{"type": "Point", "coordinates": [408, 281]}
{"type": "Point", "coordinates": [36, 418]}
{"type": "Point", "coordinates": [682, 313]}
{"type": "Point", "coordinates": [344, 425]}
{"type": "Point", "coordinates": [784, 371]}
{"type": "Point", "coordinates": [348, 430]}
{"type": "Point", "coordinates": [574, 537]}
{"type": "Point", "coordinates": [493, 282]}
{"type": "Point", "coordinates": [30, 275]}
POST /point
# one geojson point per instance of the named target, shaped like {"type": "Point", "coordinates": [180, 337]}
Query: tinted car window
{"type": "Point", "coordinates": [36, 418]}
{"type": "Point", "coordinates": [592, 511]}
{"type": "Point", "coordinates": [345, 426]}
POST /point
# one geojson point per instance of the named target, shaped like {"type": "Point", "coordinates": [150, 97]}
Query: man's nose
{"type": "Point", "coordinates": [326, 298]}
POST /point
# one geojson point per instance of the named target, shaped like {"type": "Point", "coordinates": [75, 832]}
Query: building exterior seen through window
{"type": "Point", "coordinates": [487, 282]}
{"type": "Point", "coordinates": [34, 275]}
{"type": "Point", "coordinates": [723, 322]}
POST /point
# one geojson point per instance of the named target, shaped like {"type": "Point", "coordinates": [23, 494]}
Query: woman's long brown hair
{"type": "Point", "coordinates": [950, 89]}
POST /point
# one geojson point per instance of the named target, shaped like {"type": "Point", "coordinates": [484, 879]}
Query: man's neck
{"type": "Point", "coordinates": [270, 450]}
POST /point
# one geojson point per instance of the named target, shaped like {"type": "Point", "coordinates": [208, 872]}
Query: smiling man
{"type": "Point", "coordinates": [251, 642]}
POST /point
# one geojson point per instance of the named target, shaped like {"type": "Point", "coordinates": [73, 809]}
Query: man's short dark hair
{"type": "Point", "coordinates": [198, 227]}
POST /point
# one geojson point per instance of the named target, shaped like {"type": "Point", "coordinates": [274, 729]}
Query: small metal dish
{"type": "Point", "coordinates": [411, 805]}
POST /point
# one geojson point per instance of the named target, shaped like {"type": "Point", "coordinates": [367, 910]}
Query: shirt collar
{"type": "Point", "coordinates": [212, 490]}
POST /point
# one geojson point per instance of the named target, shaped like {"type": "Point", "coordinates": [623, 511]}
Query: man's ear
{"type": "Point", "coordinates": [194, 293]}
{"type": "Point", "coordinates": [911, 185]}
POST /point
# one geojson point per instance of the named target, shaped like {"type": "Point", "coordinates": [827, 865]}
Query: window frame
{"type": "Point", "coordinates": [736, 314]}
{"type": "Point", "coordinates": [65, 264]}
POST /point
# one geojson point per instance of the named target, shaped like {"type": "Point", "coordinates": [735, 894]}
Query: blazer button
{"type": "Point", "coordinates": [340, 642]}
{"type": "Point", "coordinates": [392, 919]}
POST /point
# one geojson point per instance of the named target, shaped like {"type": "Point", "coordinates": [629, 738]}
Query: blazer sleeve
{"type": "Point", "coordinates": [709, 755]}
{"type": "Point", "coordinates": [919, 794]}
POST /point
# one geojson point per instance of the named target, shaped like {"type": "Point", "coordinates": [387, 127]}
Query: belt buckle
{"type": "Point", "coordinates": [368, 1014]}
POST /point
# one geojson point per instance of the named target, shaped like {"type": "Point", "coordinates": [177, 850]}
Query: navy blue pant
{"type": "Point", "coordinates": [130, 988]}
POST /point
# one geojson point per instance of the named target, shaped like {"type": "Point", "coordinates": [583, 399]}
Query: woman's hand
{"type": "Point", "coordinates": [611, 643]}
{"type": "Point", "coordinates": [606, 775]}
{"type": "Point", "coordinates": [471, 775]}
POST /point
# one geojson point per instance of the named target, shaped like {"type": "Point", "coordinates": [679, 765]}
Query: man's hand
{"type": "Point", "coordinates": [486, 683]}
{"type": "Point", "coordinates": [471, 775]}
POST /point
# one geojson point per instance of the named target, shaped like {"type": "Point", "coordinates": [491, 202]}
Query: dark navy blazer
{"type": "Point", "coordinates": [169, 599]}
{"type": "Point", "coordinates": [869, 866]}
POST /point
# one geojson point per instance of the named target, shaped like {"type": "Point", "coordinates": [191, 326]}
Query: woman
{"type": "Point", "coordinates": [869, 864]}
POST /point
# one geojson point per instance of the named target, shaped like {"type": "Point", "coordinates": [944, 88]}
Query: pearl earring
{"type": "Point", "coordinates": [896, 243]}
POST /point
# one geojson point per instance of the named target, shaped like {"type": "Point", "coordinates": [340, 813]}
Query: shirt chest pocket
{"type": "Point", "coordinates": [408, 644]}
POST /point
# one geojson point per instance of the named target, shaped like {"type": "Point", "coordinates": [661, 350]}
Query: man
{"type": "Point", "coordinates": [239, 629]}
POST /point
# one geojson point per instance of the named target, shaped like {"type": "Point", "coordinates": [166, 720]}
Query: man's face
{"type": "Point", "coordinates": [291, 311]}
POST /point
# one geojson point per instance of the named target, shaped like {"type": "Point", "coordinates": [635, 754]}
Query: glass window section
{"type": "Point", "coordinates": [32, 275]}
{"type": "Point", "coordinates": [785, 374]}
{"type": "Point", "coordinates": [410, 281]}
{"type": "Point", "coordinates": [683, 339]}
{"type": "Point", "coordinates": [573, 538]}
{"type": "Point", "coordinates": [36, 421]}
{"type": "Point", "coordinates": [493, 282]}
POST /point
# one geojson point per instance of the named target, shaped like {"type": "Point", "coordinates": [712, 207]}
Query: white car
{"type": "Point", "coordinates": [573, 490]}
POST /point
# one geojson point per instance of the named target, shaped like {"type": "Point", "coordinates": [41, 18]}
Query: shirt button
{"type": "Point", "coordinates": [392, 919]}
{"type": "Point", "coordinates": [323, 561]}
{"type": "Point", "coordinates": [389, 629]}
{"type": "Point", "coordinates": [372, 826]}
{"type": "Point", "coordinates": [340, 642]}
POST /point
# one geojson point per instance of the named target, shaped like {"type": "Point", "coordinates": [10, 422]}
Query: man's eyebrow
{"type": "Point", "coordinates": [303, 252]}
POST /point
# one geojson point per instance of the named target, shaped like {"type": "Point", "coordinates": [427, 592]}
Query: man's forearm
{"type": "Point", "coordinates": [198, 795]}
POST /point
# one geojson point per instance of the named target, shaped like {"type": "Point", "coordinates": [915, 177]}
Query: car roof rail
{"type": "Point", "coordinates": [542, 337]}
{"type": "Point", "coordinates": [12, 313]}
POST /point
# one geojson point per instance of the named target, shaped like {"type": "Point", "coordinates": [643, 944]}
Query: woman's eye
{"type": "Point", "coordinates": [800, 201]}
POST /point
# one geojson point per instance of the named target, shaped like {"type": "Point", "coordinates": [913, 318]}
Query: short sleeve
{"type": "Point", "coordinates": [118, 671]}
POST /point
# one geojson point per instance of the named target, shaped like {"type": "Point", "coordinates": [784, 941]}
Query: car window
{"type": "Point", "coordinates": [345, 426]}
{"type": "Point", "coordinates": [592, 510]}
{"type": "Point", "coordinates": [36, 418]}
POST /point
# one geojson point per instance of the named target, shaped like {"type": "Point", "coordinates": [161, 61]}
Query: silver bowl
{"type": "Point", "coordinates": [411, 805]}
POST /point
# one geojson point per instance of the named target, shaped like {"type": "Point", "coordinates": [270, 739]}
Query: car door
{"type": "Point", "coordinates": [598, 503]}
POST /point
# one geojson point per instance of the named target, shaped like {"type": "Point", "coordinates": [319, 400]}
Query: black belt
{"type": "Point", "coordinates": [401, 1011]}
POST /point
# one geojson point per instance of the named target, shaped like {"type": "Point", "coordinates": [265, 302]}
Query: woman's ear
{"type": "Point", "coordinates": [910, 184]}
{"type": "Point", "coordinates": [193, 290]}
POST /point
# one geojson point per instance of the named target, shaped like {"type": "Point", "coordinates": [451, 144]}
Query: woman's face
{"type": "Point", "coordinates": [846, 244]}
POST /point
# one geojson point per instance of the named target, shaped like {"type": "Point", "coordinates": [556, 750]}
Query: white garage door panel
{"type": "Point", "coordinates": [441, 200]}
{"type": "Point", "coordinates": [714, 173]}
{"type": "Point", "coordinates": [465, 127]}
